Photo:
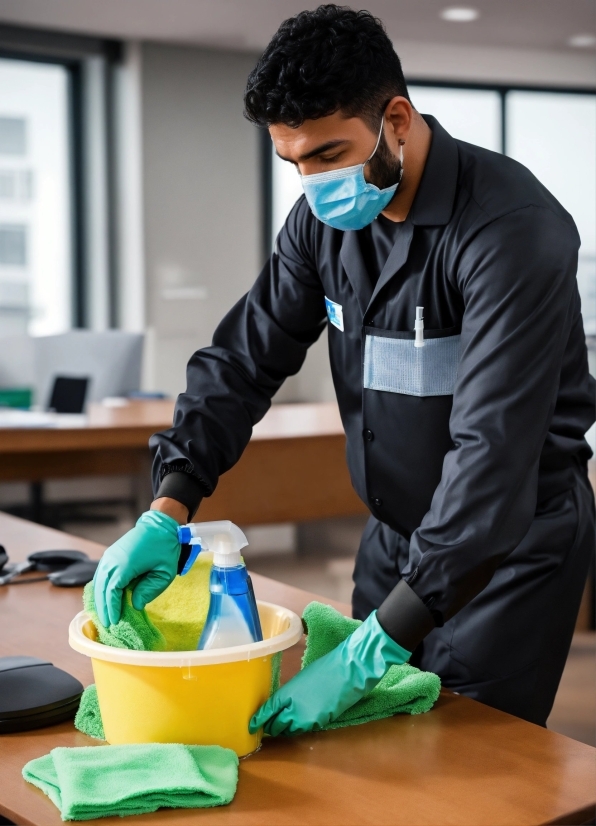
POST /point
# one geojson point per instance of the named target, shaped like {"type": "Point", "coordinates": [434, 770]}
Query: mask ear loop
{"type": "Point", "coordinates": [370, 157]}
{"type": "Point", "coordinates": [401, 149]}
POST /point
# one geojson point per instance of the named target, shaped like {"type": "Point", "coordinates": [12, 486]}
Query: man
{"type": "Point", "coordinates": [465, 437]}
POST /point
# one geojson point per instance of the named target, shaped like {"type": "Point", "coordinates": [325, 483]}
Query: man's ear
{"type": "Point", "coordinates": [399, 112]}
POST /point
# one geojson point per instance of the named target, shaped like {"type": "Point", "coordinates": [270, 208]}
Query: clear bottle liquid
{"type": "Point", "coordinates": [233, 618]}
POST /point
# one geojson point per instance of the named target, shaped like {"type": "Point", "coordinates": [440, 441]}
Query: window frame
{"type": "Point", "coordinates": [70, 52]}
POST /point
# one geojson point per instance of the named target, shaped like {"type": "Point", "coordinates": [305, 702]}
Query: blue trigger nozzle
{"type": "Point", "coordinates": [184, 535]}
{"type": "Point", "coordinates": [187, 535]}
{"type": "Point", "coordinates": [195, 550]}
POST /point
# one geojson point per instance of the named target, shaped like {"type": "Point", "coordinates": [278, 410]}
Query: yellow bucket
{"type": "Point", "coordinates": [194, 697]}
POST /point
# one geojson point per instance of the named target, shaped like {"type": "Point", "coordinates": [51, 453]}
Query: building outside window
{"type": "Point", "coordinates": [36, 278]}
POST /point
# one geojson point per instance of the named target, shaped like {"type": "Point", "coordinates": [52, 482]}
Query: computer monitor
{"type": "Point", "coordinates": [111, 360]}
{"type": "Point", "coordinates": [68, 395]}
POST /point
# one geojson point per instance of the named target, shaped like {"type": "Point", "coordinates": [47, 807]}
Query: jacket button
{"type": "Point", "coordinates": [377, 502]}
{"type": "Point", "coordinates": [368, 435]}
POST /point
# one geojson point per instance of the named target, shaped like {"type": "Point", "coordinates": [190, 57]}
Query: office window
{"type": "Point", "coordinates": [286, 189]}
{"type": "Point", "coordinates": [35, 199]}
{"type": "Point", "coordinates": [471, 115]}
{"type": "Point", "coordinates": [554, 135]}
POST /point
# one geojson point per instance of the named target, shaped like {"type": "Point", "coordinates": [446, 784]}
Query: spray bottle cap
{"type": "Point", "coordinates": [223, 538]}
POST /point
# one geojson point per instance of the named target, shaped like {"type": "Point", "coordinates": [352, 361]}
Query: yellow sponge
{"type": "Point", "coordinates": [180, 612]}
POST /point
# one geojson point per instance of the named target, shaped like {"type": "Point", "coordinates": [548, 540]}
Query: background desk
{"type": "Point", "coordinates": [293, 469]}
{"type": "Point", "coordinates": [462, 763]}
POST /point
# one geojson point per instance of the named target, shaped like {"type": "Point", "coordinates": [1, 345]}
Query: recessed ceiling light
{"type": "Point", "coordinates": [582, 41]}
{"type": "Point", "coordinates": [460, 14]}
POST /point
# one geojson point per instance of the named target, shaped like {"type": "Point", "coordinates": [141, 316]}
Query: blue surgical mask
{"type": "Point", "coordinates": [344, 199]}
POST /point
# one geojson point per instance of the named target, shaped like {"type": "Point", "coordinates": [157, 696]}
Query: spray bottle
{"type": "Point", "coordinates": [233, 618]}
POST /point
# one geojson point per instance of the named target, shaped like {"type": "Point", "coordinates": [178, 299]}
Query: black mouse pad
{"type": "Point", "coordinates": [60, 714]}
{"type": "Point", "coordinates": [56, 560]}
{"type": "Point", "coordinates": [78, 574]}
{"type": "Point", "coordinates": [31, 688]}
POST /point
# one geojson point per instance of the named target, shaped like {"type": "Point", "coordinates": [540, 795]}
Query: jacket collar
{"type": "Point", "coordinates": [353, 264]}
{"type": "Point", "coordinates": [433, 204]}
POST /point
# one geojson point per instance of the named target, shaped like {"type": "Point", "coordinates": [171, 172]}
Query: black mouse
{"type": "Point", "coordinates": [78, 574]}
{"type": "Point", "coordinates": [56, 560]}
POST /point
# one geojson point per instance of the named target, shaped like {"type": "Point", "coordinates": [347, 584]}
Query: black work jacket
{"type": "Point", "coordinates": [453, 444]}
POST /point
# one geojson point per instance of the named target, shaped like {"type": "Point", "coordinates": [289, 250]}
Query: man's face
{"type": "Point", "coordinates": [336, 142]}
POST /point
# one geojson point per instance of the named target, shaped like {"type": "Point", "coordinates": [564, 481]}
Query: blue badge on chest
{"type": "Point", "coordinates": [335, 314]}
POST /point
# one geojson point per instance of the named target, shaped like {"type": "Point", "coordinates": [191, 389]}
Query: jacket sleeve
{"type": "Point", "coordinates": [517, 279]}
{"type": "Point", "coordinates": [260, 342]}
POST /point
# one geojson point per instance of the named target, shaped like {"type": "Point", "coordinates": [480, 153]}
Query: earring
{"type": "Point", "coordinates": [401, 152]}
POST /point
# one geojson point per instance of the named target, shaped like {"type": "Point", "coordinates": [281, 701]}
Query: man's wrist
{"type": "Point", "coordinates": [404, 617]}
{"type": "Point", "coordinates": [184, 489]}
{"type": "Point", "coordinates": [171, 507]}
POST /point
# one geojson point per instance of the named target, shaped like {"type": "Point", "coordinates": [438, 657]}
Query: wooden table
{"type": "Point", "coordinates": [462, 763]}
{"type": "Point", "coordinates": [293, 469]}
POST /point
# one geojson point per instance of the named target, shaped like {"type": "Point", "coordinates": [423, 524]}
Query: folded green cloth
{"type": "Point", "coordinates": [403, 689]}
{"type": "Point", "coordinates": [104, 781]}
{"type": "Point", "coordinates": [135, 630]}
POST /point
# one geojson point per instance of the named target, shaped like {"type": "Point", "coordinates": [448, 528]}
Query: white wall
{"type": "Point", "coordinates": [202, 198]}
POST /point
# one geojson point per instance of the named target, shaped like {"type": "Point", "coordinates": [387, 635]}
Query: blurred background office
{"type": "Point", "coordinates": [137, 204]}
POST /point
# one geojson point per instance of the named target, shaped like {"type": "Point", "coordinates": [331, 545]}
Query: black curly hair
{"type": "Point", "coordinates": [322, 61]}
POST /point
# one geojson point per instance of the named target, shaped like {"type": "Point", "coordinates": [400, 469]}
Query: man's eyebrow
{"type": "Point", "coordinates": [318, 150]}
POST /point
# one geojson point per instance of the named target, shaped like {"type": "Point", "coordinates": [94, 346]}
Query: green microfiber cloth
{"type": "Point", "coordinates": [88, 716]}
{"type": "Point", "coordinates": [104, 781]}
{"type": "Point", "coordinates": [134, 630]}
{"type": "Point", "coordinates": [276, 671]}
{"type": "Point", "coordinates": [403, 689]}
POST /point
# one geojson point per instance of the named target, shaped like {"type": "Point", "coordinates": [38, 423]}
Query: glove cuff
{"type": "Point", "coordinates": [391, 651]}
{"type": "Point", "coordinates": [160, 520]}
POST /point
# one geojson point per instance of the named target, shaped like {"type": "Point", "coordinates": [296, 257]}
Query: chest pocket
{"type": "Point", "coordinates": [393, 364]}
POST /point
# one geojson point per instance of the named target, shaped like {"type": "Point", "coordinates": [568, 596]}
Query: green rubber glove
{"type": "Point", "coordinates": [149, 552]}
{"type": "Point", "coordinates": [323, 690]}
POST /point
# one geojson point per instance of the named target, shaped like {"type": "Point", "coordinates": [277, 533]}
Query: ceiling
{"type": "Point", "coordinates": [249, 24]}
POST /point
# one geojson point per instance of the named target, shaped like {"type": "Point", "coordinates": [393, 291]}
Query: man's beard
{"type": "Point", "coordinates": [384, 168]}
